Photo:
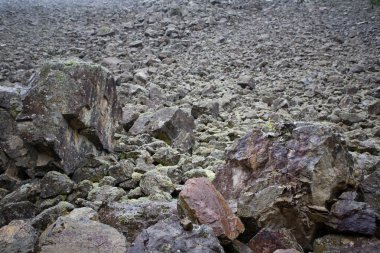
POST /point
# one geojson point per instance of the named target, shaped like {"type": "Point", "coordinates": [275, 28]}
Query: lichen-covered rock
{"type": "Point", "coordinates": [106, 193]}
{"type": "Point", "coordinates": [18, 237]}
{"type": "Point", "coordinates": [268, 240]}
{"type": "Point", "coordinates": [171, 124]}
{"type": "Point", "coordinates": [17, 211]}
{"type": "Point", "coordinates": [341, 243]}
{"type": "Point", "coordinates": [70, 111]}
{"type": "Point", "coordinates": [353, 217]}
{"type": "Point", "coordinates": [166, 156]}
{"type": "Point", "coordinates": [203, 204]}
{"type": "Point", "coordinates": [54, 184]}
{"type": "Point", "coordinates": [81, 232]}
{"type": "Point", "coordinates": [156, 182]}
{"type": "Point", "coordinates": [168, 236]}
{"type": "Point", "coordinates": [133, 216]}
{"type": "Point", "coordinates": [278, 177]}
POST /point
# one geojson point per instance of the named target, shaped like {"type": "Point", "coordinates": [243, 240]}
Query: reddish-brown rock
{"type": "Point", "coordinates": [203, 204]}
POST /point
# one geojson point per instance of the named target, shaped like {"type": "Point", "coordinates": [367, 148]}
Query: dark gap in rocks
{"type": "Point", "coordinates": [250, 231]}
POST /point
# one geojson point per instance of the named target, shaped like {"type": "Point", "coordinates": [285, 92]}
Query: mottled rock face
{"type": "Point", "coordinates": [18, 237]}
{"type": "Point", "coordinates": [172, 125]}
{"type": "Point", "coordinates": [277, 176]}
{"type": "Point", "coordinates": [70, 111]}
{"type": "Point", "coordinates": [168, 236]}
{"type": "Point", "coordinates": [341, 243]}
{"type": "Point", "coordinates": [81, 232]}
{"type": "Point", "coordinates": [267, 241]}
{"type": "Point", "coordinates": [203, 204]}
{"type": "Point", "coordinates": [55, 183]}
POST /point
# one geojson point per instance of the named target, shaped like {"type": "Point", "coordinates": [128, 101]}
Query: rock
{"type": "Point", "coordinates": [141, 77]}
{"type": "Point", "coordinates": [105, 31]}
{"type": "Point", "coordinates": [238, 247]}
{"type": "Point", "coordinates": [136, 43]}
{"type": "Point", "coordinates": [350, 118]}
{"type": "Point", "coordinates": [261, 168]}
{"type": "Point", "coordinates": [172, 125]}
{"type": "Point", "coordinates": [341, 243]}
{"type": "Point", "coordinates": [286, 251]}
{"type": "Point", "coordinates": [92, 169]}
{"type": "Point", "coordinates": [156, 182]}
{"type": "Point", "coordinates": [54, 184]}
{"type": "Point", "coordinates": [203, 204]}
{"type": "Point", "coordinates": [128, 118]}
{"type": "Point", "coordinates": [69, 112]}
{"type": "Point", "coordinates": [80, 232]}
{"type": "Point", "coordinates": [353, 217]}
{"type": "Point", "coordinates": [246, 81]}
{"type": "Point", "coordinates": [122, 171]}
{"type": "Point", "coordinates": [111, 62]}
{"type": "Point", "coordinates": [50, 215]}
{"type": "Point", "coordinates": [374, 108]}
{"type": "Point", "coordinates": [17, 211]}
{"type": "Point", "coordinates": [133, 216]}
{"type": "Point", "coordinates": [168, 236]}
{"type": "Point", "coordinates": [205, 107]}
{"type": "Point", "coordinates": [108, 180]}
{"type": "Point", "coordinates": [166, 156]}
{"type": "Point", "coordinates": [371, 190]}
{"type": "Point", "coordinates": [267, 241]}
{"type": "Point", "coordinates": [18, 237]}
{"type": "Point", "coordinates": [106, 193]}
{"type": "Point", "coordinates": [194, 173]}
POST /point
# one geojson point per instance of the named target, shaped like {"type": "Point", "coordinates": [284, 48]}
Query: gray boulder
{"type": "Point", "coordinates": [54, 184]}
{"type": "Point", "coordinates": [18, 237]}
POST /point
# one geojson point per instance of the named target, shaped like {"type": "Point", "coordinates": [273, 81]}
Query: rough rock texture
{"type": "Point", "coordinates": [172, 125]}
{"type": "Point", "coordinates": [277, 176]}
{"type": "Point", "coordinates": [131, 217]}
{"type": "Point", "coordinates": [18, 237]}
{"type": "Point", "coordinates": [81, 232]}
{"type": "Point", "coordinates": [203, 204]}
{"type": "Point", "coordinates": [54, 184]}
{"type": "Point", "coordinates": [371, 190]}
{"type": "Point", "coordinates": [70, 111]}
{"type": "Point", "coordinates": [168, 236]}
{"type": "Point", "coordinates": [352, 216]}
{"type": "Point", "coordinates": [267, 241]}
{"type": "Point", "coordinates": [339, 243]}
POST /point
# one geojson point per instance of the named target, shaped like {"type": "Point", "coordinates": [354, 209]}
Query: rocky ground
{"type": "Point", "coordinates": [275, 102]}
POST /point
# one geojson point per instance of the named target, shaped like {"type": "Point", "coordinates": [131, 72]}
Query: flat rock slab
{"type": "Point", "coordinates": [203, 204]}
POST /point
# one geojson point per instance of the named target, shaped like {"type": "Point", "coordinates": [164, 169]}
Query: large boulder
{"type": "Point", "coordinates": [203, 204]}
{"type": "Point", "coordinates": [70, 111]}
{"type": "Point", "coordinates": [168, 236]}
{"type": "Point", "coordinates": [287, 177]}
{"type": "Point", "coordinates": [171, 124]}
{"type": "Point", "coordinates": [135, 215]}
{"type": "Point", "coordinates": [18, 237]}
{"type": "Point", "coordinates": [81, 232]}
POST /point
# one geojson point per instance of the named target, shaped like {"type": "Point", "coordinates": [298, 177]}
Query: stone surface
{"type": "Point", "coordinates": [156, 182]}
{"type": "Point", "coordinates": [18, 237]}
{"type": "Point", "coordinates": [133, 216]}
{"type": "Point", "coordinates": [70, 111]}
{"type": "Point", "coordinates": [267, 241]}
{"type": "Point", "coordinates": [168, 236]}
{"type": "Point", "coordinates": [203, 204]}
{"type": "Point", "coordinates": [341, 243]}
{"type": "Point", "coordinates": [80, 232]}
{"type": "Point", "coordinates": [172, 125]}
{"type": "Point", "coordinates": [353, 217]}
{"type": "Point", "coordinates": [106, 193]}
{"type": "Point", "coordinates": [276, 175]}
{"type": "Point", "coordinates": [371, 190]}
{"type": "Point", "coordinates": [54, 184]}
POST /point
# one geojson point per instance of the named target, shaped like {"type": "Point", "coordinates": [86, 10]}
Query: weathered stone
{"type": "Point", "coordinates": [203, 204]}
{"type": "Point", "coordinates": [17, 211]}
{"type": "Point", "coordinates": [340, 243]}
{"type": "Point", "coordinates": [54, 184]}
{"type": "Point", "coordinates": [106, 193]}
{"type": "Point", "coordinates": [371, 190]}
{"type": "Point", "coordinates": [108, 180]}
{"type": "Point", "coordinates": [156, 181]}
{"type": "Point", "coordinates": [352, 216]}
{"type": "Point", "coordinates": [374, 108]}
{"type": "Point", "coordinates": [18, 237]}
{"type": "Point", "coordinates": [267, 241]}
{"type": "Point", "coordinates": [80, 232]}
{"type": "Point", "coordinates": [50, 215]}
{"type": "Point", "coordinates": [133, 216]}
{"type": "Point", "coordinates": [121, 171]}
{"type": "Point", "coordinates": [172, 125]}
{"type": "Point", "coordinates": [168, 236]}
{"type": "Point", "coordinates": [246, 81]}
{"type": "Point", "coordinates": [69, 112]}
{"type": "Point", "coordinates": [194, 173]}
{"type": "Point", "coordinates": [206, 107]}
{"type": "Point", "coordinates": [166, 156]}
{"type": "Point", "coordinates": [276, 176]}
{"type": "Point", "coordinates": [286, 251]}
{"type": "Point", "coordinates": [128, 117]}
{"type": "Point", "coordinates": [93, 169]}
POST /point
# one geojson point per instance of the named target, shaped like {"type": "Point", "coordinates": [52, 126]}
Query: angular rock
{"type": "Point", "coordinates": [54, 184]}
{"type": "Point", "coordinates": [133, 216]}
{"type": "Point", "coordinates": [166, 156]}
{"type": "Point", "coordinates": [353, 217]}
{"type": "Point", "coordinates": [205, 107]}
{"type": "Point", "coordinates": [18, 237]}
{"type": "Point", "coordinates": [341, 243]}
{"type": "Point", "coordinates": [203, 204]}
{"type": "Point", "coordinates": [371, 190]}
{"type": "Point", "coordinates": [374, 108]}
{"type": "Point", "coordinates": [128, 118]}
{"type": "Point", "coordinates": [17, 211]}
{"type": "Point", "coordinates": [106, 193]}
{"type": "Point", "coordinates": [81, 232]}
{"type": "Point", "coordinates": [70, 111]}
{"type": "Point", "coordinates": [171, 124]}
{"type": "Point", "coordinates": [156, 182]}
{"type": "Point", "coordinates": [275, 176]}
{"type": "Point", "coordinates": [246, 81]}
{"type": "Point", "coordinates": [267, 241]}
{"type": "Point", "coordinates": [168, 236]}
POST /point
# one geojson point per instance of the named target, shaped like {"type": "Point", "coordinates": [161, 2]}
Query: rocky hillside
{"type": "Point", "coordinates": [243, 126]}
